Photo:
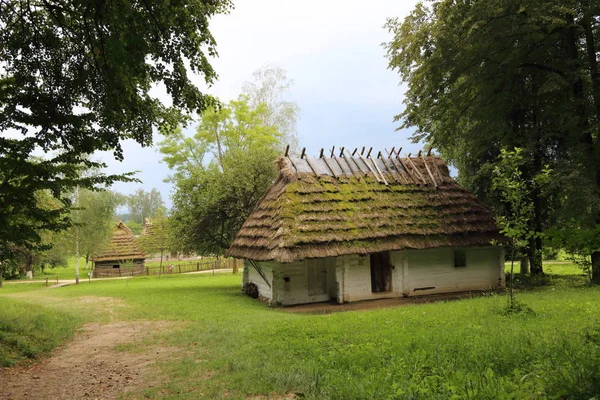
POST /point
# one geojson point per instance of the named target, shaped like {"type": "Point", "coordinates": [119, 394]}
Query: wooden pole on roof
{"type": "Point", "coordinates": [321, 154]}
{"type": "Point", "coordinates": [337, 161]}
{"type": "Point", "coordinates": [387, 167]}
{"type": "Point", "coordinates": [312, 166]}
{"type": "Point", "coordinates": [303, 153]}
{"type": "Point", "coordinates": [350, 164]}
{"type": "Point", "coordinates": [429, 171]}
{"type": "Point", "coordinates": [354, 152]}
{"type": "Point", "coordinates": [378, 169]}
{"type": "Point", "coordinates": [369, 153]}
{"type": "Point", "coordinates": [429, 151]}
{"type": "Point", "coordinates": [404, 169]}
{"type": "Point", "coordinates": [330, 168]}
{"type": "Point", "coordinates": [400, 170]}
{"type": "Point", "coordinates": [287, 150]}
{"type": "Point", "coordinates": [412, 164]}
{"type": "Point", "coordinates": [369, 167]}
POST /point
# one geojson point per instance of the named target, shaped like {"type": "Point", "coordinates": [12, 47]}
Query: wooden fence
{"type": "Point", "coordinates": [167, 268]}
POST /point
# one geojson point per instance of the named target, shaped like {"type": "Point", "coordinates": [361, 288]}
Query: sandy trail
{"type": "Point", "coordinates": [89, 367]}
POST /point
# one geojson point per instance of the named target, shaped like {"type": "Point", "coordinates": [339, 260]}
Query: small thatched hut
{"type": "Point", "coordinates": [355, 227]}
{"type": "Point", "coordinates": [120, 256]}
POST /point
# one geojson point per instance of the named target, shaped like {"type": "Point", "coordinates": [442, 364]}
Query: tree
{"type": "Point", "coordinates": [269, 86]}
{"type": "Point", "coordinates": [219, 174]}
{"type": "Point", "coordinates": [77, 77]}
{"type": "Point", "coordinates": [155, 237]}
{"type": "Point", "coordinates": [487, 75]}
{"type": "Point", "coordinates": [144, 205]}
{"type": "Point", "coordinates": [512, 187]}
{"type": "Point", "coordinates": [95, 220]}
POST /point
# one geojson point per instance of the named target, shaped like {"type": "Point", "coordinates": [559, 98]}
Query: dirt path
{"type": "Point", "coordinates": [89, 367]}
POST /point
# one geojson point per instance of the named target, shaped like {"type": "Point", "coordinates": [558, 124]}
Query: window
{"type": "Point", "coordinates": [460, 259]}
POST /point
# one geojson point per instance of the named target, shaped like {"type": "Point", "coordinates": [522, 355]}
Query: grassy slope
{"type": "Point", "coordinates": [460, 349]}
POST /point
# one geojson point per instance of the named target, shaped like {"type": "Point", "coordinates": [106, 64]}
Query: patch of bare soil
{"type": "Point", "coordinates": [331, 307]}
{"type": "Point", "coordinates": [89, 367]}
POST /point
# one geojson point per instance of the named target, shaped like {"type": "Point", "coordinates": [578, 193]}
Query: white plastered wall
{"type": "Point", "coordinates": [422, 272]}
{"type": "Point", "coordinates": [414, 273]}
{"type": "Point", "coordinates": [252, 275]}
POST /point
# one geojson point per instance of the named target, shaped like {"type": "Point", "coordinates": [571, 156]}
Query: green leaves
{"type": "Point", "coordinates": [219, 174]}
{"type": "Point", "coordinates": [76, 77]}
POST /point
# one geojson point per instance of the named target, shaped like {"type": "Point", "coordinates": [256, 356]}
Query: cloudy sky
{"type": "Point", "coordinates": [330, 48]}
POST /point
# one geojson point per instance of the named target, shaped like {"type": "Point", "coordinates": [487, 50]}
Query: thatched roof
{"type": "Point", "coordinates": [331, 206]}
{"type": "Point", "coordinates": [122, 246]}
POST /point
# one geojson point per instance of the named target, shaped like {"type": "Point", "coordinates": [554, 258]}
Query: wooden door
{"type": "Point", "coordinates": [381, 272]}
{"type": "Point", "coordinates": [316, 276]}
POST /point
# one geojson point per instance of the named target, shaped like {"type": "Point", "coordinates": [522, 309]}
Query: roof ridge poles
{"type": "Point", "coordinates": [387, 167]}
{"type": "Point", "coordinates": [327, 164]}
{"type": "Point", "coordinates": [409, 175]}
{"type": "Point", "coordinates": [312, 167]}
{"type": "Point", "coordinates": [377, 168]}
{"type": "Point", "coordinates": [412, 164]}
{"type": "Point", "coordinates": [350, 165]}
{"type": "Point", "coordinates": [429, 171]}
{"type": "Point", "coordinates": [400, 172]}
{"type": "Point", "coordinates": [338, 161]}
{"type": "Point", "coordinates": [360, 156]}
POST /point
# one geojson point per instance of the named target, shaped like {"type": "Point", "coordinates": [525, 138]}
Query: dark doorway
{"type": "Point", "coordinates": [381, 272]}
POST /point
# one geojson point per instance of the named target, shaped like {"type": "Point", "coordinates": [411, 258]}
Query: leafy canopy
{"type": "Point", "coordinates": [220, 174]}
{"type": "Point", "coordinates": [76, 77]}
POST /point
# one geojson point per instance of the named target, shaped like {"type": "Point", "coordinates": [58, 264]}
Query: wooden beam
{"type": "Point", "coordinates": [429, 171]}
{"type": "Point", "coordinates": [389, 170]}
{"type": "Point", "coordinates": [332, 150]}
{"type": "Point", "coordinates": [370, 168]}
{"type": "Point", "coordinates": [357, 174]}
{"type": "Point", "coordinates": [303, 153]}
{"type": "Point", "coordinates": [379, 170]}
{"type": "Point", "coordinates": [401, 173]}
{"type": "Point", "coordinates": [330, 168]}
{"type": "Point", "coordinates": [405, 170]}
{"type": "Point", "coordinates": [369, 153]}
{"type": "Point", "coordinates": [312, 166]}
{"type": "Point", "coordinates": [412, 164]}
{"type": "Point", "coordinates": [287, 150]}
{"type": "Point", "coordinates": [321, 153]}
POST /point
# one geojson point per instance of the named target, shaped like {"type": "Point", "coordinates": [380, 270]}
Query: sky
{"type": "Point", "coordinates": [332, 51]}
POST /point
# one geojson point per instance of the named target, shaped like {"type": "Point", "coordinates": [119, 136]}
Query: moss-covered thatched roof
{"type": "Point", "coordinates": [353, 205]}
{"type": "Point", "coordinates": [122, 246]}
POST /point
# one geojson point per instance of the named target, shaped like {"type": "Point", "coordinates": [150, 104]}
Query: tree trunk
{"type": "Point", "coordinates": [596, 267]}
{"type": "Point", "coordinates": [524, 265]}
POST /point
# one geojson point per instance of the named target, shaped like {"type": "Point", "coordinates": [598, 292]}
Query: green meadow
{"type": "Point", "coordinates": [234, 347]}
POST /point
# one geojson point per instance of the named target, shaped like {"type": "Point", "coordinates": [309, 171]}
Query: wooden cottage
{"type": "Point", "coordinates": [121, 256]}
{"type": "Point", "coordinates": [356, 227]}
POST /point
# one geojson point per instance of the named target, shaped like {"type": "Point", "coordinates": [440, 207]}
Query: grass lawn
{"type": "Point", "coordinates": [457, 349]}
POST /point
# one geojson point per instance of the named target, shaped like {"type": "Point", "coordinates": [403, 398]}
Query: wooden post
{"type": "Point", "coordinates": [147, 271]}
{"type": "Point", "coordinates": [119, 271]}
{"type": "Point", "coordinates": [197, 266]}
{"type": "Point", "coordinates": [46, 281]}
{"type": "Point", "coordinates": [179, 268]}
